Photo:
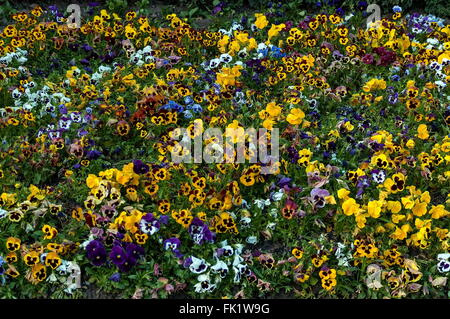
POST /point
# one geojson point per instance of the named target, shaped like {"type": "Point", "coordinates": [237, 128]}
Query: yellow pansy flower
{"type": "Point", "coordinates": [261, 21]}
{"type": "Point", "coordinates": [422, 132]}
{"type": "Point", "coordinates": [295, 116]}
{"type": "Point", "coordinates": [350, 207]}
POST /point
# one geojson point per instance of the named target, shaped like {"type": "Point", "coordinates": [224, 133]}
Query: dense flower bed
{"type": "Point", "coordinates": [357, 205]}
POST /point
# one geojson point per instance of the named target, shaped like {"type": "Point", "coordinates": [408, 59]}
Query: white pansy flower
{"type": "Point", "coordinates": [214, 63]}
{"type": "Point", "coordinates": [441, 85]}
{"type": "Point", "coordinates": [225, 58]}
{"type": "Point", "coordinates": [245, 222]}
{"type": "Point", "coordinates": [278, 195]}
{"type": "Point", "coordinates": [260, 203]}
{"type": "Point", "coordinates": [204, 284]}
{"type": "Point", "coordinates": [445, 256]}
{"type": "Point", "coordinates": [239, 270]}
{"type": "Point", "coordinates": [221, 268]}
{"type": "Point", "coordinates": [225, 32]}
{"type": "Point", "coordinates": [3, 213]}
{"type": "Point", "coordinates": [198, 265]}
{"type": "Point", "coordinates": [16, 94]}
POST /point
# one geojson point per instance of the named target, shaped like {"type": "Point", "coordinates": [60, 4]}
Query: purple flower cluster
{"type": "Point", "coordinates": [123, 255]}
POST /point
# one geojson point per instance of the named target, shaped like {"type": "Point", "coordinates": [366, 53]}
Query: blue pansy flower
{"type": "Point", "coordinates": [188, 100]}
{"type": "Point", "coordinates": [276, 52]}
{"type": "Point", "coordinates": [264, 52]}
{"type": "Point", "coordinates": [172, 105]}
{"type": "Point", "coordinates": [187, 114]}
{"type": "Point", "coordinates": [197, 108]}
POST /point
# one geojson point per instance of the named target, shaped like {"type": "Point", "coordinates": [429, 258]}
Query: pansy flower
{"type": "Point", "coordinates": [134, 250]}
{"type": "Point", "coordinates": [52, 260]}
{"type": "Point", "coordinates": [128, 263]}
{"type": "Point", "coordinates": [221, 268]}
{"type": "Point", "coordinates": [239, 271]}
{"type": "Point", "coordinates": [362, 183]}
{"type": "Point", "coordinates": [443, 265]}
{"type": "Point", "coordinates": [39, 272]}
{"type": "Point", "coordinates": [378, 176]}
{"type": "Point", "coordinates": [200, 232]}
{"type": "Point", "coordinates": [118, 255]}
{"type": "Point", "coordinates": [171, 244]}
{"type": "Point", "coordinates": [96, 252]}
{"type": "Point", "coordinates": [317, 197]}
{"type": "Point", "coordinates": [13, 244]}
{"type": "Point", "coordinates": [290, 209]}
{"type": "Point", "coordinates": [196, 265]}
{"type": "Point", "coordinates": [149, 224]}
{"type": "Point", "coordinates": [140, 168]}
{"type": "Point", "coordinates": [204, 284]}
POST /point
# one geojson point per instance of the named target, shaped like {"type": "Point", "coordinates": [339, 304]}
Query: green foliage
{"type": "Point", "coordinates": [6, 9]}
{"type": "Point", "coordinates": [144, 6]}
{"type": "Point", "coordinates": [117, 6]}
{"type": "Point", "coordinates": [387, 5]}
{"type": "Point", "coordinates": [437, 7]}
{"type": "Point", "coordinates": [315, 230]}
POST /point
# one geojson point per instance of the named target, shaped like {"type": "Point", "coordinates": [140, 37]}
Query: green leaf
{"type": "Point", "coordinates": [37, 179]}
{"type": "Point", "coordinates": [192, 11]}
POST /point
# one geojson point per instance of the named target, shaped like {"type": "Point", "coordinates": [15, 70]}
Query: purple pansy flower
{"type": "Point", "coordinates": [129, 262]}
{"type": "Point", "coordinates": [118, 255]}
{"type": "Point", "coordinates": [171, 244]}
{"type": "Point", "coordinates": [96, 252]}
{"type": "Point", "coordinates": [115, 277]}
{"type": "Point", "coordinates": [93, 154]}
{"type": "Point", "coordinates": [317, 197]}
{"type": "Point", "coordinates": [134, 250]}
{"type": "Point", "coordinates": [140, 167]}
{"type": "Point", "coordinates": [200, 232]}
{"type": "Point", "coordinates": [149, 224]}
{"type": "Point", "coordinates": [363, 182]}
